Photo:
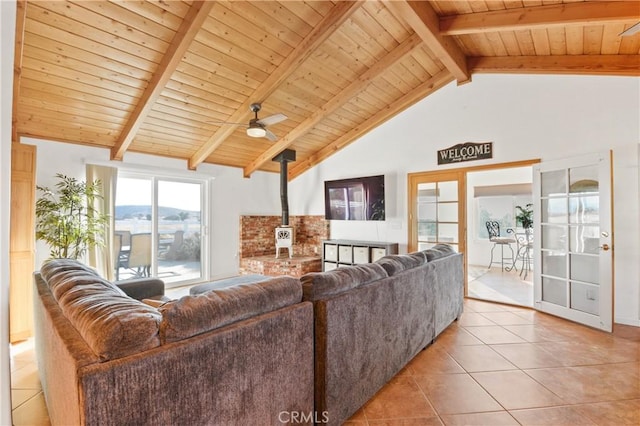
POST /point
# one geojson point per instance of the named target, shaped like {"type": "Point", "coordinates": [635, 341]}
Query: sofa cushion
{"type": "Point", "coordinates": [196, 314]}
{"type": "Point", "coordinates": [319, 285]}
{"type": "Point", "coordinates": [395, 263]}
{"type": "Point", "coordinates": [112, 324]}
{"type": "Point", "coordinates": [438, 251]}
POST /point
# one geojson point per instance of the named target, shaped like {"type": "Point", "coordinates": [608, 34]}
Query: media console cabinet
{"type": "Point", "coordinates": [336, 253]}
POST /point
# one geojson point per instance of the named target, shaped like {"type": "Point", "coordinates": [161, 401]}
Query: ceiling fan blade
{"type": "Point", "coordinates": [272, 119]}
{"type": "Point", "coordinates": [270, 135]}
{"type": "Point", "coordinates": [635, 28]}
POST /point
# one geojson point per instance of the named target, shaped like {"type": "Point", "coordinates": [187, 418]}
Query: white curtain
{"type": "Point", "coordinates": [103, 258]}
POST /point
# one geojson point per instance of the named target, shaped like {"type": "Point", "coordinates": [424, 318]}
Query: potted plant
{"type": "Point", "coordinates": [66, 218]}
{"type": "Point", "coordinates": [525, 216]}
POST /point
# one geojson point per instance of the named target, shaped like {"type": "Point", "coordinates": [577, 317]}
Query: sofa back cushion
{"type": "Point", "coordinates": [438, 251]}
{"type": "Point", "coordinates": [320, 285]}
{"type": "Point", "coordinates": [112, 324]}
{"type": "Point", "coordinates": [192, 315]}
{"type": "Point", "coordinates": [395, 263]}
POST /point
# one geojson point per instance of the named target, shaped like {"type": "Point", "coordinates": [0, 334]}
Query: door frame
{"type": "Point", "coordinates": [446, 175]}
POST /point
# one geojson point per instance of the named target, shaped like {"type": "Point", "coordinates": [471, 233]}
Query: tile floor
{"type": "Point", "coordinates": [497, 365]}
{"type": "Point", "coordinates": [500, 286]}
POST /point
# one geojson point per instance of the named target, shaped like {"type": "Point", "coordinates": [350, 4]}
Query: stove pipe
{"type": "Point", "coordinates": [283, 158]}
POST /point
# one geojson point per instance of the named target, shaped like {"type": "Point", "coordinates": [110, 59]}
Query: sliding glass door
{"type": "Point", "coordinates": [159, 228]}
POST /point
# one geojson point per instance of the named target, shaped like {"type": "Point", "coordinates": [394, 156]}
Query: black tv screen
{"type": "Point", "coordinates": [354, 199]}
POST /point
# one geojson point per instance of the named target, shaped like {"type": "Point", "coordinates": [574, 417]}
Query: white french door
{"type": "Point", "coordinates": [573, 273]}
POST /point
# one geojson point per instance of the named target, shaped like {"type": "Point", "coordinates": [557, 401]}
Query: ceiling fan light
{"type": "Point", "coordinates": [256, 132]}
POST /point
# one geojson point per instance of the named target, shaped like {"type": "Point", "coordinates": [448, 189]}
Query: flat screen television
{"type": "Point", "coordinates": [355, 199]}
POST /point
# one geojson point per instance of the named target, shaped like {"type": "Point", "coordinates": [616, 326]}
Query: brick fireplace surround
{"type": "Point", "coordinates": [258, 249]}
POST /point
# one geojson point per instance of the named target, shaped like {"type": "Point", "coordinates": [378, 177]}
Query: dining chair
{"type": "Point", "coordinates": [524, 246]}
{"type": "Point", "coordinates": [493, 228]}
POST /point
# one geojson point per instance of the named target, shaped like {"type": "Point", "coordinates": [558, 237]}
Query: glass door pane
{"type": "Point", "coordinates": [437, 210]}
{"type": "Point", "coordinates": [133, 227]}
{"type": "Point", "coordinates": [179, 239]}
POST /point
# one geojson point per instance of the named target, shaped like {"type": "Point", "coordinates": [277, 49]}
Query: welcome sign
{"type": "Point", "coordinates": [467, 151]}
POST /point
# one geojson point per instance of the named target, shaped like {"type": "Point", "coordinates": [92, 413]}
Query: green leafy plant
{"type": "Point", "coordinates": [66, 218]}
{"type": "Point", "coordinates": [525, 215]}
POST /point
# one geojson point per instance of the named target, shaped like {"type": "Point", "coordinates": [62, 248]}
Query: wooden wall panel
{"type": "Point", "coordinates": [22, 241]}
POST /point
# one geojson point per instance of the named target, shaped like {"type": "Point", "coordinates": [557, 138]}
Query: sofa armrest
{"type": "Point", "coordinates": [143, 288]}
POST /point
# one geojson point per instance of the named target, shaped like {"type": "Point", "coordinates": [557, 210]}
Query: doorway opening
{"type": "Point", "coordinates": [500, 268]}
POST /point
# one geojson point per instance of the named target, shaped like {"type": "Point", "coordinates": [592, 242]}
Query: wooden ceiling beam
{"type": "Point", "coordinates": [357, 86]}
{"type": "Point", "coordinates": [425, 22]}
{"type": "Point", "coordinates": [330, 23]}
{"type": "Point", "coordinates": [613, 65]}
{"type": "Point", "coordinates": [583, 13]}
{"type": "Point", "coordinates": [425, 89]}
{"type": "Point", "coordinates": [21, 17]}
{"type": "Point", "coordinates": [187, 31]}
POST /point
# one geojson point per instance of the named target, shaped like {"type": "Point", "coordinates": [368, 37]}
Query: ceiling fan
{"type": "Point", "coordinates": [257, 127]}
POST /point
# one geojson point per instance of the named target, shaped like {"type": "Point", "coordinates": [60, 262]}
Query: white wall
{"type": "Point", "coordinates": [7, 35]}
{"type": "Point", "coordinates": [230, 194]}
{"type": "Point", "coordinates": [526, 117]}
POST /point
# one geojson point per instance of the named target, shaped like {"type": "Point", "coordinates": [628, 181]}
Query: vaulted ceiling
{"type": "Point", "coordinates": [177, 78]}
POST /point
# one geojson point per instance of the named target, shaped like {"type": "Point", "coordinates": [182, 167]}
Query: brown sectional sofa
{"type": "Point", "coordinates": [228, 357]}
{"type": "Point", "coordinates": [282, 350]}
{"type": "Point", "coordinates": [370, 320]}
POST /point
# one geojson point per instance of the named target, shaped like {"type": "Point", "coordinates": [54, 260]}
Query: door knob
{"type": "Point", "coordinates": [605, 247]}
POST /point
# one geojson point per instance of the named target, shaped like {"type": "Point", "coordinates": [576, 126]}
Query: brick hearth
{"type": "Point", "coordinates": [269, 265]}
{"type": "Point", "coordinates": [258, 251]}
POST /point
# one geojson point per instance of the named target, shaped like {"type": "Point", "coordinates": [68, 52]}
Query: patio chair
{"type": "Point", "coordinates": [493, 228]}
{"type": "Point", "coordinates": [138, 259]}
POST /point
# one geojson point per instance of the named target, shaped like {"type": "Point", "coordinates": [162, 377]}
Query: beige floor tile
{"type": "Point", "coordinates": [595, 383]}
{"type": "Point", "coordinates": [613, 413]}
{"type": "Point", "coordinates": [506, 318]}
{"type": "Point", "coordinates": [499, 418]}
{"type": "Point", "coordinates": [433, 360]}
{"type": "Point", "coordinates": [552, 416]}
{"type": "Point", "coordinates": [527, 355]}
{"type": "Point", "coordinates": [575, 353]}
{"type": "Point", "coordinates": [480, 358]}
{"type": "Point", "coordinates": [457, 336]}
{"type": "Point", "coordinates": [20, 396]}
{"type": "Point", "coordinates": [32, 413]}
{"type": "Point", "coordinates": [494, 334]}
{"type": "Point", "coordinates": [422, 421]}
{"type": "Point", "coordinates": [26, 377]}
{"type": "Point", "coordinates": [456, 394]}
{"type": "Point", "coordinates": [482, 306]}
{"type": "Point", "coordinates": [473, 319]}
{"type": "Point", "coordinates": [358, 416]}
{"type": "Point", "coordinates": [515, 390]}
{"type": "Point", "coordinates": [401, 398]}
{"type": "Point", "coordinates": [536, 333]}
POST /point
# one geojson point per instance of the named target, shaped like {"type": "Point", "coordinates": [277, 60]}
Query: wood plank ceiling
{"type": "Point", "coordinates": [162, 77]}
